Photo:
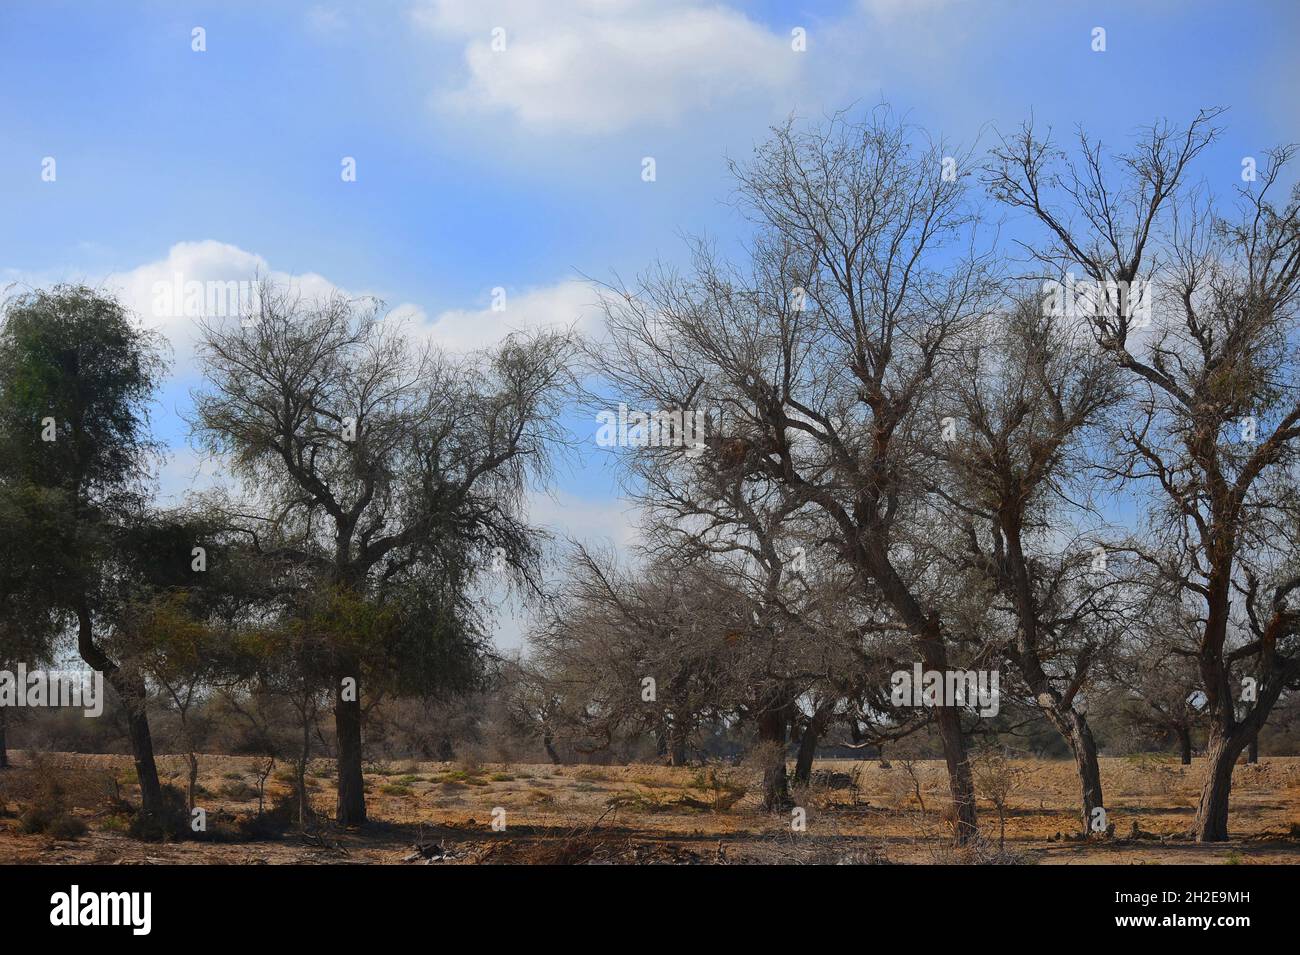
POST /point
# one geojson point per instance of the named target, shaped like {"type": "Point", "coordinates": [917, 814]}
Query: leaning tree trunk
{"type": "Point", "coordinates": [812, 735]}
{"type": "Point", "coordinates": [1084, 747]}
{"type": "Point", "coordinates": [1184, 743]}
{"type": "Point", "coordinates": [132, 692]}
{"type": "Point", "coordinates": [771, 735]}
{"type": "Point", "coordinates": [351, 808]}
{"type": "Point", "coordinates": [1074, 729]}
{"type": "Point", "coordinates": [1221, 752]}
{"type": "Point", "coordinates": [960, 784]}
{"type": "Point", "coordinates": [548, 743]}
{"type": "Point", "coordinates": [131, 689]}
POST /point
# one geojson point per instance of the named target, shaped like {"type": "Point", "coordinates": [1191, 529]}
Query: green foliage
{"type": "Point", "coordinates": [74, 355]}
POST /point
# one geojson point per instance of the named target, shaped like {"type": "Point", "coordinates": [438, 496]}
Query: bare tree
{"type": "Point", "coordinates": [818, 359]}
{"type": "Point", "coordinates": [642, 652]}
{"type": "Point", "coordinates": [1216, 418]}
{"type": "Point", "coordinates": [1028, 397]}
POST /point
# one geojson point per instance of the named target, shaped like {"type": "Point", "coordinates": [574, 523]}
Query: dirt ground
{"type": "Point", "coordinates": [856, 812]}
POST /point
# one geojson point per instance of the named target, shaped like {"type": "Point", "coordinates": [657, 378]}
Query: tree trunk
{"type": "Point", "coordinates": [548, 741]}
{"type": "Point", "coordinates": [146, 770]}
{"type": "Point", "coordinates": [130, 687]}
{"type": "Point", "coordinates": [192, 762]}
{"type": "Point", "coordinates": [771, 733]}
{"type": "Point", "coordinates": [1184, 743]}
{"type": "Point", "coordinates": [927, 631]}
{"type": "Point", "coordinates": [676, 745]}
{"type": "Point", "coordinates": [1085, 761]}
{"type": "Point", "coordinates": [308, 715]}
{"type": "Point", "coordinates": [351, 809]}
{"type": "Point", "coordinates": [1252, 751]}
{"type": "Point", "coordinates": [1221, 754]}
{"type": "Point", "coordinates": [4, 743]}
{"type": "Point", "coordinates": [193, 781]}
{"type": "Point", "coordinates": [960, 783]}
{"type": "Point", "coordinates": [812, 735]}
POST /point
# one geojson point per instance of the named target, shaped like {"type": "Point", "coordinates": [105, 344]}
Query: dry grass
{"type": "Point", "coordinates": [650, 814]}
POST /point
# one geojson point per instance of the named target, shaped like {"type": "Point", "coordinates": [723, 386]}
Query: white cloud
{"type": "Point", "coordinates": [156, 292]}
{"type": "Point", "coordinates": [563, 305]}
{"type": "Point", "coordinates": [210, 262]}
{"type": "Point", "coordinates": [598, 66]}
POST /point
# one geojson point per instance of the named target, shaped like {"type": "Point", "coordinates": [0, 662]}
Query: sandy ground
{"type": "Point", "coordinates": [443, 813]}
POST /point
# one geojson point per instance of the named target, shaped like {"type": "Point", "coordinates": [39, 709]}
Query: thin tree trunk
{"type": "Point", "coordinates": [192, 761]}
{"type": "Point", "coordinates": [771, 732]}
{"type": "Point", "coordinates": [351, 809]}
{"type": "Point", "coordinates": [1252, 750]}
{"type": "Point", "coordinates": [1184, 743]}
{"type": "Point", "coordinates": [146, 769]}
{"type": "Point", "coordinates": [193, 781]}
{"type": "Point", "coordinates": [548, 741]}
{"type": "Point", "coordinates": [131, 689]}
{"type": "Point", "coordinates": [1085, 761]}
{"type": "Point", "coordinates": [300, 770]}
{"type": "Point", "coordinates": [808, 742]}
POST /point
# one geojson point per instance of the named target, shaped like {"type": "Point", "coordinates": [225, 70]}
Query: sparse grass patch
{"type": "Point", "coordinates": [239, 791]}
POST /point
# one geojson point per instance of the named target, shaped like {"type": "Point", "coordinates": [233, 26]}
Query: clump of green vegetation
{"type": "Point", "coordinates": [395, 789]}
{"type": "Point", "coordinates": [114, 823]}
{"type": "Point", "coordinates": [501, 777]}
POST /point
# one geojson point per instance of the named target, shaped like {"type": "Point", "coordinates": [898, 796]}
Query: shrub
{"type": "Point", "coordinates": [67, 827]}
{"type": "Point", "coordinates": [170, 824]}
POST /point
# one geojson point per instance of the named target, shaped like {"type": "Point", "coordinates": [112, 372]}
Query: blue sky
{"type": "Point", "coordinates": [522, 168]}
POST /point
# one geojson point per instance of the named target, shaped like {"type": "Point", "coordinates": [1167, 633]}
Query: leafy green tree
{"type": "Point", "coordinates": [76, 378]}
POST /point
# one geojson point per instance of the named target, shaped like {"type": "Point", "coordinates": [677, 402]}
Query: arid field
{"type": "Point", "coordinates": [443, 813]}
